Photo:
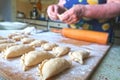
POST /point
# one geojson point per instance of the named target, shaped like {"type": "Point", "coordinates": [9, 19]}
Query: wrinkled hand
{"type": "Point", "coordinates": [73, 15]}
{"type": "Point", "coordinates": [53, 11]}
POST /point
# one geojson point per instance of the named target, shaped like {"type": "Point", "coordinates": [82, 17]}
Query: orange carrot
{"type": "Point", "coordinates": [86, 35]}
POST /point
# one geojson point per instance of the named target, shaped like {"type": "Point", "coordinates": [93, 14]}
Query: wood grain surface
{"type": "Point", "coordinates": [12, 69]}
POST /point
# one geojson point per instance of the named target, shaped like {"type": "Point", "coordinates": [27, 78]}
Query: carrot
{"type": "Point", "coordinates": [86, 35]}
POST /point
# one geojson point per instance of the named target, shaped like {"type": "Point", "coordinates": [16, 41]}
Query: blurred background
{"type": "Point", "coordinates": [33, 12]}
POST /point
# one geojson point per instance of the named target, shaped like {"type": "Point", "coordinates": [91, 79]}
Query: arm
{"type": "Point", "coordinates": [108, 10]}
{"type": "Point", "coordinates": [99, 11]}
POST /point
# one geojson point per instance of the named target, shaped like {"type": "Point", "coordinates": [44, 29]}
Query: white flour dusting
{"type": "Point", "coordinates": [13, 68]}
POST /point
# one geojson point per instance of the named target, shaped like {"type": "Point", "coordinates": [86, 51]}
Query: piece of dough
{"type": "Point", "coordinates": [6, 45]}
{"type": "Point", "coordinates": [11, 35]}
{"type": "Point", "coordinates": [52, 67]}
{"type": "Point", "coordinates": [48, 46]}
{"type": "Point", "coordinates": [7, 41]}
{"type": "Point", "coordinates": [79, 55]}
{"type": "Point", "coordinates": [17, 50]}
{"type": "Point", "coordinates": [2, 38]}
{"type": "Point", "coordinates": [37, 43]}
{"type": "Point", "coordinates": [34, 57]}
{"type": "Point", "coordinates": [27, 40]}
{"type": "Point", "coordinates": [60, 51]}
{"type": "Point", "coordinates": [19, 37]}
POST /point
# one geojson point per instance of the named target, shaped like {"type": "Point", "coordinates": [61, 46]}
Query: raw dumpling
{"type": "Point", "coordinates": [17, 50]}
{"type": "Point", "coordinates": [52, 67]}
{"type": "Point", "coordinates": [34, 57]}
{"type": "Point", "coordinates": [2, 38]}
{"type": "Point", "coordinates": [19, 37]}
{"type": "Point", "coordinates": [60, 51]}
{"type": "Point", "coordinates": [13, 34]}
{"type": "Point", "coordinates": [6, 45]}
{"type": "Point", "coordinates": [79, 55]}
{"type": "Point", "coordinates": [27, 40]}
{"type": "Point", "coordinates": [48, 46]}
{"type": "Point", "coordinates": [37, 43]}
{"type": "Point", "coordinates": [7, 41]}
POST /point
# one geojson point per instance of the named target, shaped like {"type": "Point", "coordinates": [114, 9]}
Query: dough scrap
{"type": "Point", "coordinates": [3, 46]}
{"type": "Point", "coordinates": [27, 40]}
{"type": "Point", "coordinates": [17, 50]}
{"type": "Point", "coordinates": [37, 43]}
{"type": "Point", "coordinates": [48, 46]}
{"type": "Point", "coordinates": [52, 67]}
{"type": "Point", "coordinates": [79, 55]}
{"type": "Point", "coordinates": [60, 51]}
{"type": "Point", "coordinates": [33, 58]}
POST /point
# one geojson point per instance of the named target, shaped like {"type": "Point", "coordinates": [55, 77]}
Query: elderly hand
{"type": "Point", "coordinates": [54, 10]}
{"type": "Point", "coordinates": [73, 15]}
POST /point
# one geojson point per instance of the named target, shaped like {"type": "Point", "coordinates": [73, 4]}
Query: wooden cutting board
{"type": "Point", "coordinates": [12, 69]}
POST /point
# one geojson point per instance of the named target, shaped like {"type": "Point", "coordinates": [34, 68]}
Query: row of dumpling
{"type": "Point", "coordinates": [30, 57]}
{"type": "Point", "coordinates": [57, 50]}
{"type": "Point", "coordinates": [45, 45]}
{"type": "Point", "coordinates": [8, 41]}
{"type": "Point", "coordinates": [50, 65]}
{"type": "Point", "coordinates": [25, 39]}
{"type": "Point", "coordinates": [11, 40]}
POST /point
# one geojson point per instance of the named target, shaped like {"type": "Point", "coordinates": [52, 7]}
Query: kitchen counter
{"type": "Point", "coordinates": [109, 68]}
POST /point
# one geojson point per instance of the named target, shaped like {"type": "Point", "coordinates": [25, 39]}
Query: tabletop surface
{"type": "Point", "coordinates": [108, 69]}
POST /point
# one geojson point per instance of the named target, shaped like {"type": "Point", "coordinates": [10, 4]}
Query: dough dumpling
{"type": "Point", "coordinates": [37, 43]}
{"type": "Point", "coordinates": [17, 50]}
{"type": "Point", "coordinates": [48, 46]}
{"type": "Point", "coordinates": [27, 40]}
{"type": "Point", "coordinates": [19, 37]}
{"type": "Point", "coordinates": [79, 55]}
{"type": "Point", "coordinates": [60, 51]}
{"type": "Point", "coordinates": [7, 41]}
{"type": "Point", "coordinates": [34, 57]}
{"type": "Point", "coordinates": [6, 45]}
{"type": "Point", "coordinates": [52, 67]}
{"type": "Point", "coordinates": [11, 35]}
{"type": "Point", "coordinates": [2, 38]}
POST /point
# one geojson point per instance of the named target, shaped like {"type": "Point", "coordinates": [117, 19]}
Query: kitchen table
{"type": "Point", "coordinates": [108, 69]}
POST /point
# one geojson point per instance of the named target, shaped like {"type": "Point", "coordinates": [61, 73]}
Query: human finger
{"type": "Point", "coordinates": [73, 21]}
{"type": "Point", "coordinates": [63, 17]}
{"type": "Point", "coordinates": [52, 13]}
